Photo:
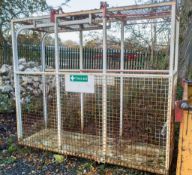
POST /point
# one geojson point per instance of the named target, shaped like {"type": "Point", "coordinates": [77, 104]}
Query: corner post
{"type": "Point", "coordinates": [170, 90]}
{"type": "Point", "coordinates": [16, 83]}
{"type": "Point", "coordinates": [177, 46]}
{"type": "Point", "coordinates": [172, 41]}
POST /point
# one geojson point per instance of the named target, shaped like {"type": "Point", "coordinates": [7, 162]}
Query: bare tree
{"type": "Point", "coordinates": [10, 9]}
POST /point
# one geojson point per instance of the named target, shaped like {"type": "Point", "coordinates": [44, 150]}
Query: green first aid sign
{"type": "Point", "coordinates": [79, 78]}
{"type": "Point", "coordinates": [81, 83]}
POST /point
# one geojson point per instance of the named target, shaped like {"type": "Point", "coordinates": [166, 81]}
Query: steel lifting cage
{"type": "Point", "coordinates": [120, 121]}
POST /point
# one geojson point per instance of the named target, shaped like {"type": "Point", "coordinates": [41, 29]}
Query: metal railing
{"type": "Point", "coordinates": [5, 54]}
{"type": "Point", "coordinates": [92, 57]}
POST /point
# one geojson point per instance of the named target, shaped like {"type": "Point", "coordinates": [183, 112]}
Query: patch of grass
{"type": "Point", "coordinates": [7, 160]}
{"type": "Point", "coordinates": [12, 148]}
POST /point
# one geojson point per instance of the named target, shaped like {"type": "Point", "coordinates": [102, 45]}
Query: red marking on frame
{"type": "Point", "coordinates": [53, 13]}
{"type": "Point", "coordinates": [178, 111]}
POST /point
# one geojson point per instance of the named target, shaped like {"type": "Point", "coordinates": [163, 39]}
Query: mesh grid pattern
{"type": "Point", "coordinates": [142, 144]}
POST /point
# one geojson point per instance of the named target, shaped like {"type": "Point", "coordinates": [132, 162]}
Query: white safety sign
{"type": "Point", "coordinates": [80, 83]}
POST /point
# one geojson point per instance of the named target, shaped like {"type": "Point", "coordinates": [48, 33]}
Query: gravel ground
{"type": "Point", "coordinates": [19, 160]}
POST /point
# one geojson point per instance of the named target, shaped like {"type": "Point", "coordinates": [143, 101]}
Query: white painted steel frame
{"type": "Point", "coordinates": [45, 113]}
{"type": "Point", "coordinates": [104, 87]}
{"type": "Point", "coordinates": [170, 90]}
{"type": "Point", "coordinates": [177, 45]}
{"type": "Point", "coordinates": [16, 83]}
{"type": "Point", "coordinates": [58, 72]}
{"type": "Point", "coordinates": [117, 9]}
{"type": "Point", "coordinates": [81, 67]}
{"type": "Point", "coordinates": [112, 71]}
{"type": "Point", "coordinates": [84, 12]}
{"type": "Point", "coordinates": [58, 95]}
{"type": "Point", "coordinates": [99, 74]}
{"type": "Point", "coordinates": [172, 44]}
{"type": "Point", "coordinates": [121, 79]}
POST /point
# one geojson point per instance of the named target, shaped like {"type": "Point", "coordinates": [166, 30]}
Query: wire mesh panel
{"type": "Point", "coordinates": [141, 145]}
{"type": "Point", "coordinates": [32, 106]}
{"type": "Point", "coordinates": [38, 128]}
{"type": "Point", "coordinates": [81, 139]}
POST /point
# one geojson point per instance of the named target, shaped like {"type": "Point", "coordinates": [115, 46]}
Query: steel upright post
{"type": "Point", "coordinates": [177, 46]}
{"type": "Point", "coordinates": [81, 67]}
{"type": "Point", "coordinates": [58, 96]}
{"type": "Point", "coordinates": [16, 82]}
{"type": "Point", "coordinates": [104, 89]}
{"type": "Point", "coordinates": [172, 44]}
{"type": "Point", "coordinates": [121, 79]}
{"type": "Point", "coordinates": [44, 80]}
{"type": "Point", "coordinates": [170, 93]}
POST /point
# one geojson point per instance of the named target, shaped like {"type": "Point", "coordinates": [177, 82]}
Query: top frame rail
{"type": "Point", "coordinates": [70, 22]}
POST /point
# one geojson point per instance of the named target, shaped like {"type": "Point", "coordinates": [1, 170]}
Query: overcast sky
{"type": "Point", "coordinates": [76, 5]}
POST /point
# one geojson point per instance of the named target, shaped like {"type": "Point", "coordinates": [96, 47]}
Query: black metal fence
{"type": "Point", "coordinates": [92, 57]}
{"type": "Point", "coordinates": [5, 54]}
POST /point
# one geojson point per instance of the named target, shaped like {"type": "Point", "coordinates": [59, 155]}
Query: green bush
{"type": "Point", "coordinates": [7, 104]}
